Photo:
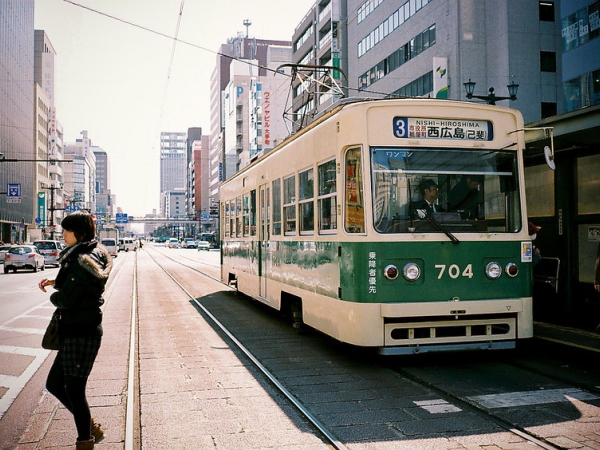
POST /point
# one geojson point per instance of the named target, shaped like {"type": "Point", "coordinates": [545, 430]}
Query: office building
{"type": "Point", "coordinates": [173, 167]}
{"type": "Point", "coordinates": [321, 39]}
{"type": "Point", "coordinates": [17, 104]}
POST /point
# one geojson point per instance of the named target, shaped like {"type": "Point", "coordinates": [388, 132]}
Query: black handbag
{"type": "Point", "coordinates": [51, 339]}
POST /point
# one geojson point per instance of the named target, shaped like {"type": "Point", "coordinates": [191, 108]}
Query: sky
{"type": "Point", "coordinates": [120, 75]}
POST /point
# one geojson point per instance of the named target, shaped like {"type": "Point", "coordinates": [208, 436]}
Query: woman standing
{"type": "Point", "coordinates": [85, 266]}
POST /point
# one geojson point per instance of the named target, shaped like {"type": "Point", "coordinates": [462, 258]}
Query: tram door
{"type": "Point", "coordinates": [265, 222]}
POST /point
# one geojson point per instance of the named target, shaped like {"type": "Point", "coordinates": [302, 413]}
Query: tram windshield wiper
{"type": "Point", "coordinates": [438, 226]}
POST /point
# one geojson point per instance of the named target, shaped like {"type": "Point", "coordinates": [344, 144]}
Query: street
{"type": "Point", "coordinates": [189, 385]}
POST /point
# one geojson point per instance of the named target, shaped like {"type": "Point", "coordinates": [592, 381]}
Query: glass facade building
{"type": "Point", "coordinates": [16, 117]}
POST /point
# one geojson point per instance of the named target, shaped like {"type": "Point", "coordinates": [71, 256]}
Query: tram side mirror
{"type": "Point", "coordinates": [549, 158]}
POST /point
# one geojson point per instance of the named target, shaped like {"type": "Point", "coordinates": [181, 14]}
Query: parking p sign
{"type": "Point", "coordinates": [13, 193]}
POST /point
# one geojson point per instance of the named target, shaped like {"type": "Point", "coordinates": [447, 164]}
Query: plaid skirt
{"type": "Point", "coordinates": [77, 355]}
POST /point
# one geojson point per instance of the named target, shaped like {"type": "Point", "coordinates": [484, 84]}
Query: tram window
{"type": "Point", "coordinates": [355, 216]}
{"type": "Point", "coordinates": [246, 215]}
{"type": "Point", "coordinates": [461, 190]}
{"type": "Point", "coordinates": [327, 199]}
{"type": "Point", "coordinates": [289, 205]}
{"type": "Point", "coordinates": [307, 206]}
{"type": "Point", "coordinates": [238, 217]}
{"type": "Point", "coordinates": [252, 213]}
{"type": "Point", "coordinates": [277, 207]}
{"type": "Point", "coordinates": [225, 213]}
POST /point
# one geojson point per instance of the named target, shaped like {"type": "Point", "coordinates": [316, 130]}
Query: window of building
{"type": "Point", "coordinates": [546, 11]}
{"type": "Point", "coordinates": [306, 203]}
{"type": "Point", "coordinates": [327, 198]}
{"type": "Point", "coordinates": [548, 61]}
{"type": "Point", "coordinates": [588, 188]}
{"type": "Point", "coordinates": [539, 179]}
{"type": "Point", "coordinates": [549, 109]}
{"type": "Point", "coordinates": [289, 205]}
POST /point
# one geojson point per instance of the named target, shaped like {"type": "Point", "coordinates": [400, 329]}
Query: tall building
{"type": "Point", "coordinates": [49, 210]}
{"type": "Point", "coordinates": [430, 48]}
{"type": "Point", "coordinates": [105, 199]}
{"type": "Point", "coordinates": [238, 48]}
{"type": "Point", "coordinates": [80, 175]}
{"type": "Point", "coordinates": [580, 31]}
{"type": "Point", "coordinates": [320, 39]}
{"type": "Point", "coordinates": [17, 119]}
{"type": "Point", "coordinates": [267, 102]}
{"type": "Point", "coordinates": [173, 167]}
{"type": "Point", "coordinates": [193, 140]}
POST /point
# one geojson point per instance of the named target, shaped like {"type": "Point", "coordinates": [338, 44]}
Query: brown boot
{"type": "Point", "coordinates": [97, 431]}
{"type": "Point", "coordinates": [85, 445]}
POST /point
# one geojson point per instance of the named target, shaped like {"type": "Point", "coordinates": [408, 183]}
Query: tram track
{"type": "Point", "coordinates": [460, 401]}
{"type": "Point", "coordinates": [474, 408]}
{"type": "Point", "coordinates": [326, 433]}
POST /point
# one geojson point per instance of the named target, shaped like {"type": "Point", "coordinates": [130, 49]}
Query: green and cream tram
{"type": "Point", "coordinates": [330, 226]}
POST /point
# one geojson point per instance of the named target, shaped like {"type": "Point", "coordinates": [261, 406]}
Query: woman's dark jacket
{"type": "Point", "coordinates": [79, 285]}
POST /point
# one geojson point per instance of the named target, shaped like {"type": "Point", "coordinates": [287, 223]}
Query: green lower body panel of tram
{"type": "Point", "coordinates": [427, 295]}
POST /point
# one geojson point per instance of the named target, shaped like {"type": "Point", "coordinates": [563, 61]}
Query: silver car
{"type": "Point", "coordinates": [50, 250]}
{"type": "Point", "coordinates": [23, 257]}
{"type": "Point", "coordinates": [3, 249]}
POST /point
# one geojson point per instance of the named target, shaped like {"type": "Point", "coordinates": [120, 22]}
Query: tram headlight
{"type": "Point", "coordinates": [512, 270]}
{"type": "Point", "coordinates": [391, 272]}
{"type": "Point", "coordinates": [411, 272]}
{"type": "Point", "coordinates": [493, 270]}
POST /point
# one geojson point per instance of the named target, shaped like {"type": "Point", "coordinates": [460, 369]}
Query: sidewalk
{"type": "Point", "coordinates": [587, 340]}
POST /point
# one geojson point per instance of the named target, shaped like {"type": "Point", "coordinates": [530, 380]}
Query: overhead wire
{"type": "Point", "coordinates": [171, 60]}
{"type": "Point", "coordinates": [200, 47]}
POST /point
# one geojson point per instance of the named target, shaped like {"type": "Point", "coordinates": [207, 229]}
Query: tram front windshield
{"type": "Point", "coordinates": [453, 190]}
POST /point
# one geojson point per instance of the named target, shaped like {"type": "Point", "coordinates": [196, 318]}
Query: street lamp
{"type": "Point", "coordinates": [491, 98]}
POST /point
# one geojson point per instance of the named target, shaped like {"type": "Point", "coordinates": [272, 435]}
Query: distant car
{"type": "Point", "coordinates": [111, 245]}
{"type": "Point", "coordinates": [50, 250]}
{"type": "Point", "coordinates": [3, 249]}
{"type": "Point", "coordinates": [23, 257]}
{"type": "Point", "coordinates": [189, 243]}
{"type": "Point", "coordinates": [203, 245]}
{"type": "Point", "coordinates": [173, 243]}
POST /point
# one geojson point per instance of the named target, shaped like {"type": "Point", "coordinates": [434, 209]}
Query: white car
{"type": "Point", "coordinates": [203, 245]}
{"type": "Point", "coordinates": [173, 243]}
{"type": "Point", "coordinates": [111, 245]}
{"type": "Point", "coordinates": [23, 257]}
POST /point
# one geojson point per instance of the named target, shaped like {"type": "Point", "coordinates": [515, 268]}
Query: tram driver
{"type": "Point", "coordinates": [427, 205]}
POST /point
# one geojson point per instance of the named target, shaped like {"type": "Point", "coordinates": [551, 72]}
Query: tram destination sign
{"type": "Point", "coordinates": [432, 128]}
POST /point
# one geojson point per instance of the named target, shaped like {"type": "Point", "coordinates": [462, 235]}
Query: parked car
{"type": "Point", "coordinates": [189, 243]}
{"type": "Point", "coordinates": [23, 257]}
{"type": "Point", "coordinates": [111, 245]}
{"type": "Point", "coordinates": [3, 249]}
{"type": "Point", "coordinates": [173, 243]}
{"type": "Point", "coordinates": [203, 245]}
{"type": "Point", "coordinates": [50, 250]}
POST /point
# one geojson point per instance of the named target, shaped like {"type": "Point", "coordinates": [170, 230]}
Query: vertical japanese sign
{"type": "Point", "coordinates": [440, 77]}
{"type": "Point", "coordinates": [42, 207]}
{"type": "Point", "coordinates": [372, 273]}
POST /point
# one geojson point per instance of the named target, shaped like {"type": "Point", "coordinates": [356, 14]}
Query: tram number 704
{"type": "Point", "coordinates": [454, 271]}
